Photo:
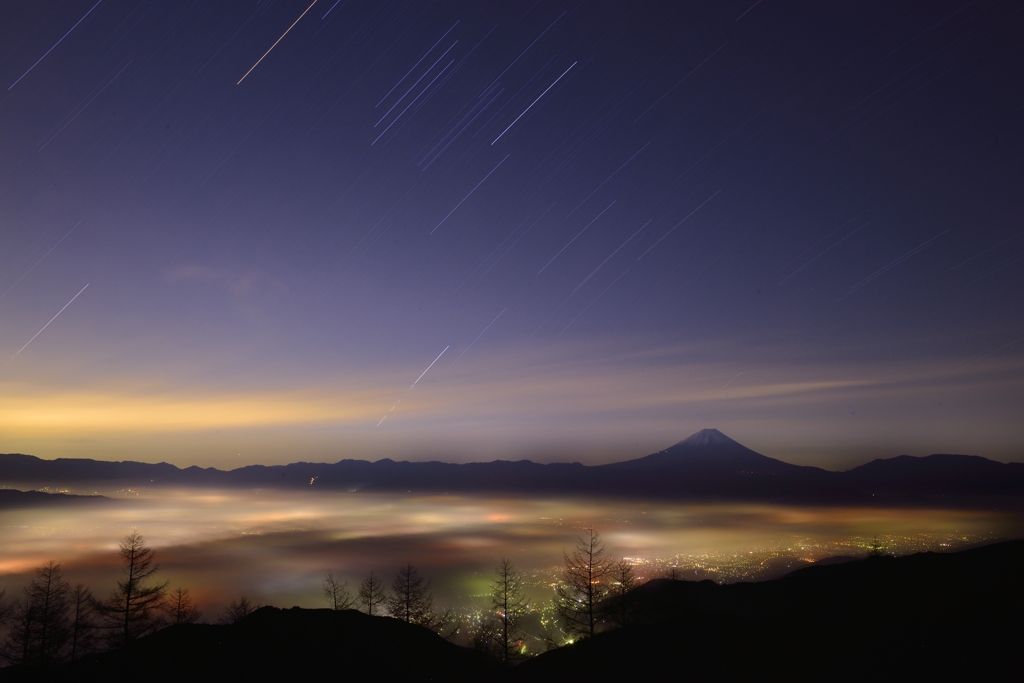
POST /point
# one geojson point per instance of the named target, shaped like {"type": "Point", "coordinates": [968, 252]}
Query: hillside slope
{"type": "Point", "coordinates": [952, 616]}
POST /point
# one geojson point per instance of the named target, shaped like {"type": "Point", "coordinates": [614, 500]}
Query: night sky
{"type": "Point", "coordinates": [601, 225]}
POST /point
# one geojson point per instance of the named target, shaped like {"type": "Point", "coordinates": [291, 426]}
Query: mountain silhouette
{"type": "Point", "coordinates": [707, 465]}
{"type": "Point", "coordinates": [710, 451]}
{"type": "Point", "coordinates": [928, 616]}
{"type": "Point", "coordinates": [940, 474]}
{"type": "Point", "coordinates": [13, 499]}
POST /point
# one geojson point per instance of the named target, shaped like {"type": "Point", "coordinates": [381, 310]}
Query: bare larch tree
{"type": "Point", "coordinates": [132, 610]}
{"type": "Point", "coordinates": [578, 596]}
{"type": "Point", "coordinates": [336, 592]}
{"type": "Point", "coordinates": [410, 598]}
{"type": "Point", "coordinates": [41, 626]}
{"type": "Point", "coordinates": [237, 610]}
{"type": "Point", "coordinates": [180, 609]}
{"type": "Point", "coordinates": [371, 595]}
{"type": "Point", "coordinates": [623, 582]}
{"type": "Point", "coordinates": [83, 621]}
{"type": "Point", "coordinates": [510, 604]}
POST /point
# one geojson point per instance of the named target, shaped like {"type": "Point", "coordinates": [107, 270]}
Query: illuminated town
{"type": "Point", "coordinates": [756, 564]}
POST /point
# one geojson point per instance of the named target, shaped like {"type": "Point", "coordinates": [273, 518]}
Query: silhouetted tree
{"type": "Point", "coordinates": [180, 609]}
{"type": "Point", "coordinates": [18, 646]}
{"type": "Point", "coordinates": [582, 588]}
{"type": "Point", "coordinates": [509, 602]}
{"type": "Point", "coordinates": [623, 582]}
{"type": "Point", "coordinates": [41, 629]}
{"type": "Point", "coordinates": [444, 624]}
{"type": "Point", "coordinates": [410, 599]}
{"type": "Point", "coordinates": [412, 602]}
{"type": "Point", "coordinates": [336, 592]}
{"type": "Point", "coordinates": [83, 622]}
{"type": "Point", "coordinates": [371, 595]}
{"type": "Point", "coordinates": [50, 592]}
{"type": "Point", "coordinates": [132, 609]}
{"type": "Point", "coordinates": [5, 614]}
{"type": "Point", "coordinates": [484, 638]}
{"type": "Point", "coordinates": [237, 610]}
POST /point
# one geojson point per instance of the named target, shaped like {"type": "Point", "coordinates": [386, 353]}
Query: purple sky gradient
{"type": "Point", "coordinates": [802, 227]}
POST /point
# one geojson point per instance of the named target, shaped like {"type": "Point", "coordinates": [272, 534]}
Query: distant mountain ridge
{"type": "Point", "coordinates": [707, 465]}
{"type": "Point", "coordinates": [13, 499]}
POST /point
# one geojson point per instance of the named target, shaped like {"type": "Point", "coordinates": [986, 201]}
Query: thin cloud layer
{"type": "Point", "coordinates": [542, 403]}
{"type": "Point", "coordinates": [274, 546]}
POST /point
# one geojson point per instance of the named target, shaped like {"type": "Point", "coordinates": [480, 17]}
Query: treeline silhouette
{"type": "Point", "coordinates": [926, 615]}
{"type": "Point", "coordinates": [592, 595]}
{"type": "Point", "coordinates": [53, 623]}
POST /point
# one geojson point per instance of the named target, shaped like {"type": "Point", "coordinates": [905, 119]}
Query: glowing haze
{"type": "Point", "coordinates": [801, 227]}
{"type": "Point", "coordinates": [275, 545]}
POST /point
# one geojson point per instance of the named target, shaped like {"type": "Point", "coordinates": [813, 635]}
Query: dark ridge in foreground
{"type": "Point", "coordinates": [953, 616]}
{"type": "Point", "coordinates": [708, 465]}
{"type": "Point", "coordinates": [274, 644]}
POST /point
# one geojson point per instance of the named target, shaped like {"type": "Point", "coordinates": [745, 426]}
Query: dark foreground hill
{"type": "Point", "coordinates": [280, 645]}
{"type": "Point", "coordinates": [955, 616]}
{"type": "Point", "coordinates": [707, 465]}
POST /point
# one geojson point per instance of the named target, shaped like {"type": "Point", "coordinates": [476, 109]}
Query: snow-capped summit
{"type": "Point", "coordinates": [709, 451]}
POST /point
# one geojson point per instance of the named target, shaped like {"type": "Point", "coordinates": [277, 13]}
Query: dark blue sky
{"type": "Point", "coordinates": [618, 223]}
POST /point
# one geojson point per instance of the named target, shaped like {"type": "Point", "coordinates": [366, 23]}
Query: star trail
{"type": "Point", "coordinates": [623, 222]}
